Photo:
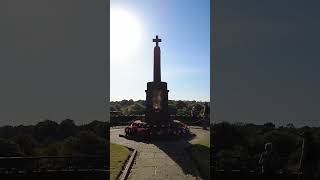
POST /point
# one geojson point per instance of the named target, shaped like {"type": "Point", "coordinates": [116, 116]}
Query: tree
{"type": "Point", "coordinates": [226, 136]}
{"type": "Point", "coordinates": [52, 149]}
{"type": "Point", "coordinates": [269, 125]}
{"type": "Point", "coordinates": [290, 126]}
{"type": "Point", "coordinates": [124, 103]}
{"type": "Point", "coordinates": [26, 143]}
{"type": "Point", "coordinates": [198, 108]}
{"type": "Point", "coordinates": [112, 108]}
{"type": "Point", "coordinates": [85, 143]}
{"type": "Point", "coordinates": [98, 127]}
{"type": "Point", "coordinates": [7, 132]}
{"type": "Point", "coordinates": [130, 102]}
{"type": "Point", "coordinates": [172, 109]}
{"type": "Point", "coordinates": [46, 130]}
{"type": "Point", "coordinates": [135, 109]}
{"type": "Point", "coordinates": [9, 148]}
{"type": "Point", "coordinates": [70, 146]}
{"type": "Point", "coordinates": [67, 128]}
{"type": "Point", "coordinates": [180, 104]}
{"type": "Point", "coordinates": [117, 107]}
{"type": "Point", "coordinates": [283, 142]}
{"type": "Point", "coordinates": [91, 144]}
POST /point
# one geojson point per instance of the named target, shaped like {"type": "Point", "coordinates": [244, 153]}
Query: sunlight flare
{"type": "Point", "coordinates": [125, 35]}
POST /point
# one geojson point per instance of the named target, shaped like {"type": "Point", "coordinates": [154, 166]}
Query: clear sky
{"type": "Point", "coordinates": [183, 26]}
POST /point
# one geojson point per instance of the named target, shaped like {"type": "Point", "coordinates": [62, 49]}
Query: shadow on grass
{"type": "Point", "coordinates": [200, 155]}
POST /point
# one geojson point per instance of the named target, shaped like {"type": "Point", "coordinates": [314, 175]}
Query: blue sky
{"type": "Point", "coordinates": [184, 27]}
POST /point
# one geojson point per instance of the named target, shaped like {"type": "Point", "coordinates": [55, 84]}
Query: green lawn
{"type": "Point", "coordinates": [118, 156]}
{"type": "Point", "coordinates": [200, 152]}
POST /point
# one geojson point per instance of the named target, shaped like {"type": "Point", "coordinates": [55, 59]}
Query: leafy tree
{"type": "Point", "coordinates": [46, 130]}
{"type": "Point", "coordinates": [26, 143]}
{"type": "Point", "coordinates": [67, 128]}
{"type": "Point", "coordinates": [9, 148]}
{"type": "Point", "coordinates": [53, 149]}
{"type": "Point", "coordinates": [85, 143]}
{"type": "Point", "coordinates": [70, 146]}
{"type": "Point", "coordinates": [130, 102]}
{"type": "Point", "coordinates": [98, 127]}
{"type": "Point", "coordinates": [21, 129]}
{"type": "Point", "coordinates": [283, 142]}
{"type": "Point", "coordinates": [136, 109]}
{"type": "Point", "coordinates": [183, 112]}
{"type": "Point", "coordinates": [290, 125]}
{"type": "Point", "coordinates": [172, 109]}
{"type": "Point", "coordinates": [198, 109]}
{"type": "Point", "coordinates": [91, 144]}
{"type": "Point", "coordinates": [269, 125]}
{"type": "Point", "coordinates": [181, 104]}
{"type": "Point", "coordinates": [113, 108]}
{"type": "Point", "coordinates": [226, 136]}
{"type": "Point", "coordinates": [7, 131]}
{"type": "Point", "coordinates": [124, 102]}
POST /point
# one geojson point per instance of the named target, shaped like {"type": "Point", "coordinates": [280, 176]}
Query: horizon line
{"type": "Point", "coordinates": [201, 100]}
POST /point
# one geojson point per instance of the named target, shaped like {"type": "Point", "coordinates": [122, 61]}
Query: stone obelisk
{"type": "Point", "coordinates": [156, 64]}
{"type": "Point", "coordinates": [157, 93]}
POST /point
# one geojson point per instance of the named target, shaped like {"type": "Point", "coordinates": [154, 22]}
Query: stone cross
{"type": "Point", "coordinates": [157, 40]}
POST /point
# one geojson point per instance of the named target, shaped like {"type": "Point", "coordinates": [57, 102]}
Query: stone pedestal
{"type": "Point", "coordinates": [157, 103]}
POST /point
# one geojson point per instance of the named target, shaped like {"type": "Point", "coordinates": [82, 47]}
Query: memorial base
{"type": "Point", "coordinates": [143, 130]}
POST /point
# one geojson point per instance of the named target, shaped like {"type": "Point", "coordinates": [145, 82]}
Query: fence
{"type": "Point", "coordinates": [246, 168]}
{"type": "Point", "coordinates": [245, 163]}
{"type": "Point", "coordinates": [11, 165]}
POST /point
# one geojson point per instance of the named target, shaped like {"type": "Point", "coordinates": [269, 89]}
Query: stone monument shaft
{"type": "Point", "coordinates": [156, 63]}
{"type": "Point", "coordinates": [157, 93]}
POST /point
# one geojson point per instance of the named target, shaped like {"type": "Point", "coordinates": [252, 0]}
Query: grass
{"type": "Point", "coordinates": [118, 156]}
{"type": "Point", "coordinates": [200, 153]}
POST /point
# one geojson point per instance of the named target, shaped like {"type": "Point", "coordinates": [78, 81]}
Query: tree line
{"type": "Point", "coordinates": [176, 107]}
{"type": "Point", "coordinates": [49, 138]}
{"type": "Point", "coordinates": [246, 142]}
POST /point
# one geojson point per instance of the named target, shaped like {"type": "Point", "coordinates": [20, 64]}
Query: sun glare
{"type": "Point", "coordinates": [125, 35]}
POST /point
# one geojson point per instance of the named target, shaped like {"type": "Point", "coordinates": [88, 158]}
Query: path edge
{"type": "Point", "coordinates": [126, 171]}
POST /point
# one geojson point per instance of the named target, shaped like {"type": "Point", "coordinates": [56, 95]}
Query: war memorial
{"type": "Point", "coordinates": [160, 144]}
{"type": "Point", "coordinates": [157, 122]}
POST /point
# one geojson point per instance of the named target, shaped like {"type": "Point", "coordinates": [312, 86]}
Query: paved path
{"type": "Point", "coordinates": [161, 159]}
